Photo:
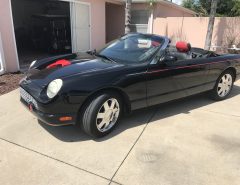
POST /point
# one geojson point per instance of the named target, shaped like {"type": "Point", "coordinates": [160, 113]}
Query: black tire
{"type": "Point", "coordinates": [214, 93]}
{"type": "Point", "coordinates": [91, 110]}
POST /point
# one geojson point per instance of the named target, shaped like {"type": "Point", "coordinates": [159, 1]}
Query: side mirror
{"type": "Point", "coordinates": [169, 58]}
{"type": "Point", "coordinates": [92, 52]}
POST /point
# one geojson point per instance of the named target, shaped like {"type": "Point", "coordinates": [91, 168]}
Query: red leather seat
{"type": "Point", "coordinates": [183, 47]}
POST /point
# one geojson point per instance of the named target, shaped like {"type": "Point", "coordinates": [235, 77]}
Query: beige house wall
{"type": "Point", "coordinates": [194, 30]}
{"type": "Point", "coordinates": [160, 26]}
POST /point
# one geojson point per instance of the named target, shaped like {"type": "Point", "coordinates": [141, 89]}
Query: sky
{"type": "Point", "coordinates": [177, 1]}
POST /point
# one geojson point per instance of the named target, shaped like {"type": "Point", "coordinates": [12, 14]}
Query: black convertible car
{"type": "Point", "coordinates": [135, 71]}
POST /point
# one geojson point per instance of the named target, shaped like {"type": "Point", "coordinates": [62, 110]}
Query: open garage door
{"type": "Point", "coordinates": [80, 26]}
{"type": "Point", "coordinates": [42, 29]}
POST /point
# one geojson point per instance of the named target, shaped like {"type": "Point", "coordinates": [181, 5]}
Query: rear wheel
{"type": "Point", "coordinates": [223, 86]}
{"type": "Point", "coordinates": [102, 114]}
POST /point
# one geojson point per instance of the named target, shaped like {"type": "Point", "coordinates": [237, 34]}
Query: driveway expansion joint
{"type": "Point", "coordinates": [58, 160]}
{"type": "Point", "coordinates": [224, 114]}
{"type": "Point", "coordinates": [148, 121]}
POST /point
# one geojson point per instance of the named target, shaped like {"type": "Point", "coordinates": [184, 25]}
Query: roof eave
{"type": "Point", "coordinates": [168, 4]}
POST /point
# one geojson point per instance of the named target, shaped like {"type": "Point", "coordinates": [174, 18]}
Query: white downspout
{"type": "Point", "coordinates": [2, 58]}
{"type": "Point", "coordinates": [151, 22]}
{"type": "Point", "coordinates": [150, 19]}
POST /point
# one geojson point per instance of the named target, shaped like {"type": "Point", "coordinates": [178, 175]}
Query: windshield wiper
{"type": "Point", "coordinates": [104, 56]}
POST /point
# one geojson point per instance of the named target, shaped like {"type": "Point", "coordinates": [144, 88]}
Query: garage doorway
{"type": "Point", "coordinates": [115, 21]}
{"type": "Point", "coordinates": [42, 28]}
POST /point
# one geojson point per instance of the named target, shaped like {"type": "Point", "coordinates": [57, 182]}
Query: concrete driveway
{"type": "Point", "coordinates": [194, 141]}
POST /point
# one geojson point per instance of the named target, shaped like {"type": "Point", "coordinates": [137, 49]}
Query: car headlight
{"type": "Point", "coordinates": [32, 64]}
{"type": "Point", "coordinates": [54, 87]}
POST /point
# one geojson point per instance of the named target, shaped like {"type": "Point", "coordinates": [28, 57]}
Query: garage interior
{"type": "Point", "coordinates": [42, 28]}
{"type": "Point", "coordinates": [115, 21]}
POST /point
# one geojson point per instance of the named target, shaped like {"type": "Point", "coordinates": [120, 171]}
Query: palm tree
{"type": "Point", "coordinates": [128, 16]}
{"type": "Point", "coordinates": [211, 25]}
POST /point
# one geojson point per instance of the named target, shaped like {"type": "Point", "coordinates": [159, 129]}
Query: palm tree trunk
{"type": "Point", "coordinates": [128, 16]}
{"type": "Point", "coordinates": [211, 25]}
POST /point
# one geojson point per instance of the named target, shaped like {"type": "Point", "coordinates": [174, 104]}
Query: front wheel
{"type": "Point", "coordinates": [102, 114]}
{"type": "Point", "coordinates": [223, 86]}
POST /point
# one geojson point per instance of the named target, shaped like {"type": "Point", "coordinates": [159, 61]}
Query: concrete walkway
{"type": "Point", "coordinates": [191, 141]}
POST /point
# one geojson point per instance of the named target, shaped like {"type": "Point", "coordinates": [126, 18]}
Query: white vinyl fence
{"type": "Point", "coordinates": [2, 61]}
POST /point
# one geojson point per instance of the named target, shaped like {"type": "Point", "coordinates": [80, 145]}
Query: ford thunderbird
{"type": "Point", "coordinates": [96, 88]}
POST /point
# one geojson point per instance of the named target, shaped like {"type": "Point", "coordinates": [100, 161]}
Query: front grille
{"type": "Point", "coordinates": [28, 98]}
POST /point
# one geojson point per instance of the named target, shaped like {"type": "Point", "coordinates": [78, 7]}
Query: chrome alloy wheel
{"type": "Point", "coordinates": [225, 85]}
{"type": "Point", "coordinates": [108, 115]}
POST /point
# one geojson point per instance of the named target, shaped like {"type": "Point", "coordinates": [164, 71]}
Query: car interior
{"type": "Point", "coordinates": [184, 51]}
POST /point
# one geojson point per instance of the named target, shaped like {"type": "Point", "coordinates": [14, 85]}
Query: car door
{"type": "Point", "coordinates": [167, 81]}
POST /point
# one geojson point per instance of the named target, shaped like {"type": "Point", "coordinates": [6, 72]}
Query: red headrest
{"type": "Point", "coordinates": [183, 46]}
{"type": "Point", "coordinates": [61, 63]}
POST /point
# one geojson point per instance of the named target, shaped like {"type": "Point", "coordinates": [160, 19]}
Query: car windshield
{"type": "Point", "coordinates": [132, 48]}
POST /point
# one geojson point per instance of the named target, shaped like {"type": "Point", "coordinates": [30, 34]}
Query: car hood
{"type": "Point", "coordinates": [79, 66]}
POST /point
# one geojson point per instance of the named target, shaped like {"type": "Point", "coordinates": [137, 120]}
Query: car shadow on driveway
{"type": "Point", "coordinates": [138, 117]}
